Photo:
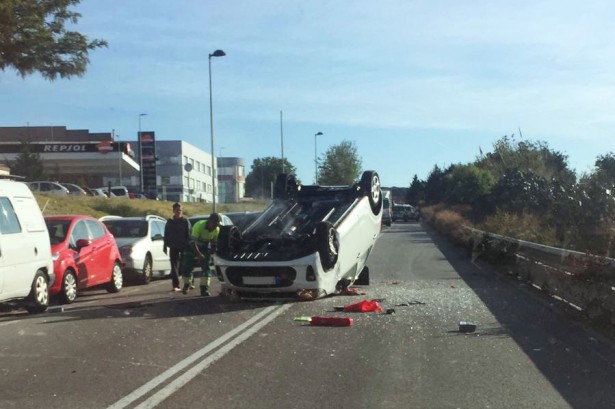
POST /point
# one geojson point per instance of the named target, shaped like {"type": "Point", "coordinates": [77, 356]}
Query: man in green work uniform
{"type": "Point", "coordinates": [203, 244]}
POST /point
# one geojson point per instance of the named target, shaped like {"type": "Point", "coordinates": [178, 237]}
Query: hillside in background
{"type": "Point", "coordinates": [98, 206]}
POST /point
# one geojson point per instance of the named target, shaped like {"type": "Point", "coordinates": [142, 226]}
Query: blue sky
{"type": "Point", "coordinates": [412, 83]}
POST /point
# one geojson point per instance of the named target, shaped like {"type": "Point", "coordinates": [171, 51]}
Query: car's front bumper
{"type": "Point", "coordinates": [301, 278]}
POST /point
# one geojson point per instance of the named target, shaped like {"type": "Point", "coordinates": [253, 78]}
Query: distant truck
{"type": "Point", "coordinates": [387, 207]}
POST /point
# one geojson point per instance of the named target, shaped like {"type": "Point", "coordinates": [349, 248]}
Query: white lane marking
{"type": "Point", "coordinates": [193, 372]}
{"type": "Point", "coordinates": [171, 372]}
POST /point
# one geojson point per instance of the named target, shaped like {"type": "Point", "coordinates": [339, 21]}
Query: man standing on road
{"type": "Point", "coordinates": [176, 239]}
{"type": "Point", "coordinates": [203, 245]}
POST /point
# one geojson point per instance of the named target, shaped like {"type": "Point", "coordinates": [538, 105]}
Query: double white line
{"type": "Point", "coordinates": [245, 331]}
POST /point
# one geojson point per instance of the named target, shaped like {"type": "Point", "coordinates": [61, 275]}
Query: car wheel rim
{"type": "Point", "coordinates": [375, 189]}
{"type": "Point", "coordinates": [147, 269]}
{"type": "Point", "coordinates": [117, 277]}
{"type": "Point", "coordinates": [42, 292]}
{"type": "Point", "coordinates": [70, 287]}
{"type": "Point", "coordinates": [332, 243]}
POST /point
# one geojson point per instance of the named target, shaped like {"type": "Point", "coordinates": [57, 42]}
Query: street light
{"type": "Point", "coordinates": [217, 53]}
{"type": "Point", "coordinates": [316, 159]}
{"type": "Point", "coordinates": [140, 153]}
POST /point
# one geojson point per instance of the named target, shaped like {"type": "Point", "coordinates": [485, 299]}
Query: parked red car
{"type": "Point", "coordinates": [84, 255]}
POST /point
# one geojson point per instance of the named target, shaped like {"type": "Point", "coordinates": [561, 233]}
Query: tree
{"type": "Point", "coordinates": [341, 165]}
{"type": "Point", "coordinates": [33, 37]}
{"type": "Point", "coordinates": [27, 163]}
{"type": "Point", "coordinates": [524, 155]}
{"type": "Point", "coordinates": [416, 191]}
{"type": "Point", "coordinates": [435, 186]}
{"type": "Point", "coordinates": [467, 183]}
{"type": "Point", "coordinates": [264, 172]}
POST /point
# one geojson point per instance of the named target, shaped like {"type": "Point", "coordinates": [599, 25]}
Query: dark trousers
{"type": "Point", "coordinates": [175, 255]}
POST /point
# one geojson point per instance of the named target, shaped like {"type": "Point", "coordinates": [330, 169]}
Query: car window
{"type": "Point", "coordinates": [157, 228]}
{"type": "Point", "coordinates": [127, 228]}
{"type": "Point", "coordinates": [57, 230]}
{"type": "Point", "coordinates": [80, 231]}
{"type": "Point", "coordinates": [96, 229]}
{"type": "Point", "coordinates": [8, 219]}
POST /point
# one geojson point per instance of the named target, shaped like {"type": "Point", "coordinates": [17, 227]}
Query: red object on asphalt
{"type": "Point", "coordinates": [364, 306]}
{"type": "Point", "coordinates": [331, 321]}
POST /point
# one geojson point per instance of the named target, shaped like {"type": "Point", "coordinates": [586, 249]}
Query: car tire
{"type": "Point", "coordinates": [285, 186]}
{"type": "Point", "coordinates": [228, 238]}
{"type": "Point", "coordinates": [69, 287]}
{"type": "Point", "coordinates": [327, 245]}
{"type": "Point", "coordinates": [370, 186]}
{"type": "Point", "coordinates": [38, 298]}
{"type": "Point", "coordinates": [146, 273]}
{"type": "Point", "coordinates": [117, 279]}
{"type": "Point", "coordinates": [363, 278]}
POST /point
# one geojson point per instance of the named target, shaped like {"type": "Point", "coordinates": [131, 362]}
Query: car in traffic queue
{"type": "Point", "coordinates": [404, 212]}
{"type": "Point", "coordinates": [310, 242]}
{"type": "Point", "coordinates": [84, 255]}
{"type": "Point", "coordinates": [140, 240]}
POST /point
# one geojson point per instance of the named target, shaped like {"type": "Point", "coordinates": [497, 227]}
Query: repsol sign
{"type": "Point", "coordinates": [66, 147]}
{"type": "Point", "coordinates": [76, 148]}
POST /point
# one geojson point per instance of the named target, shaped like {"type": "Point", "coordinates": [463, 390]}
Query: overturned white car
{"type": "Point", "coordinates": [310, 242]}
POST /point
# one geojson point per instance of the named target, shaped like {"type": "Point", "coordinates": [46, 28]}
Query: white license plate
{"type": "Point", "coordinates": [259, 280]}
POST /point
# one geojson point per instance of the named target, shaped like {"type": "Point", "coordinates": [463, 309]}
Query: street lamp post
{"type": "Point", "coordinates": [140, 154]}
{"type": "Point", "coordinates": [217, 53]}
{"type": "Point", "coordinates": [316, 159]}
{"type": "Point", "coordinates": [116, 138]}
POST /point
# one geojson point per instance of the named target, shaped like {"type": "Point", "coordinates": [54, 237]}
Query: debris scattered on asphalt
{"type": "Point", "coordinates": [363, 306]}
{"type": "Point", "coordinates": [467, 326]}
{"type": "Point", "coordinates": [390, 311]}
{"type": "Point", "coordinates": [409, 303]}
{"type": "Point", "coordinates": [351, 291]}
{"type": "Point", "coordinates": [326, 321]}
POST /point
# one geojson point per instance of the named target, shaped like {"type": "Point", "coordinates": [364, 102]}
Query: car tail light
{"type": "Point", "coordinates": [309, 274]}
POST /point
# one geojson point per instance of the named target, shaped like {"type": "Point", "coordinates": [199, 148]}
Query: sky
{"type": "Point", "coordinates": [412, 84]}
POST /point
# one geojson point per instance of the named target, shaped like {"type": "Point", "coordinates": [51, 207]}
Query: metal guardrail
{"type": "Point", "coordinates": [584, 281]}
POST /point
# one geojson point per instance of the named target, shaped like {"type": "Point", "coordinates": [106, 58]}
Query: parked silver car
{"type": "Point", "coordinates": [51, 188]}
{"type": "Point", "coordinates": [140, 240]}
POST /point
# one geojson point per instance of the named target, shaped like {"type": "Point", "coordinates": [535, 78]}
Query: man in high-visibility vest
{"type": "Point", "coordinates": [203, 244]}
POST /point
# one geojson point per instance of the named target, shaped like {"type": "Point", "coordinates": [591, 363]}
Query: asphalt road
{"type": "Point", "coordinates": [147, 347]}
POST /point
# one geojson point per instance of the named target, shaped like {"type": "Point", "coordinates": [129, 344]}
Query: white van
{"type": "Point", "coordinates": [26, 267]}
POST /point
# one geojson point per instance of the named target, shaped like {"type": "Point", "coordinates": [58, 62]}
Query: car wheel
{"type": "Point", "coordinates": [363, 278]}
{"type": "Point", "coordinates": [69, 288]}
{"type": "Point", "coordinates": [228, 239]}
{"type": "Point", "coordinates": [327, 244]}
{"type": "Point", "coordinates": [39, 294]}
{"type": "Point", "coordinates": [285, 186]}
{"type": "Point", "coordinates": [370, 186]}
{"type": "Point", "coordinates": [117, 279]}
{"type": "Point", "coordinates": [146, 273]}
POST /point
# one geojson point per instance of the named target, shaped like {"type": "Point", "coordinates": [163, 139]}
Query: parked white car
{"type": "Point", "coordinates": [51, 188]}
{"type": "Point", "coordinates": [140, 240]}
{"type": "Point", "coordinates": [116, 191]}
{"type": "Point", "coordinates": [26, 265]}
{"type": "Point", "coordinates": [312, 241]}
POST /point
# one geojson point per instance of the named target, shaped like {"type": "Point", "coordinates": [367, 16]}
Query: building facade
{"type": "Point", "coordinates": [183, 172]}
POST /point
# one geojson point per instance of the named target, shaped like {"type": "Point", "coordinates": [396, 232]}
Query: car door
{"type": "Point", "coordinates": [102, 247]}
{"type": "Point", "coordinates": [11, 248]}
{"type": "Point", "coordinates": [160, 260]}
{"type": "Point", "coordinates": [86, 271]}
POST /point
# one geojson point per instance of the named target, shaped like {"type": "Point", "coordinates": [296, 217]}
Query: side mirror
{"type": "Point", "coordinates": [83, 243]}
